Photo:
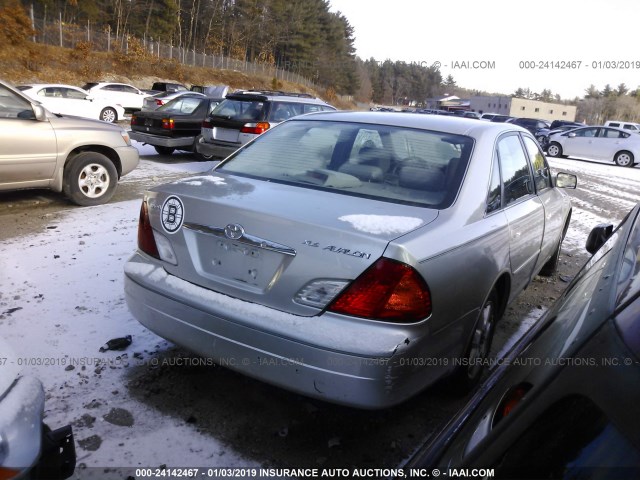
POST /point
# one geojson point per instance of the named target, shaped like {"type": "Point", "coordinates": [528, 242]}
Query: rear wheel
{"type": "Point", "coordinates": [624, 159]}
{"type": "Point", "coordinates": [164, 150]}
{"type": "Point", "coordinates": [469, 373]}
{"type": "Point", "coordinates": [554, 149]}
{"type": "Point", "coordinates": [108, 115]}
{"type": "Point", "coordinates": [90, 179]}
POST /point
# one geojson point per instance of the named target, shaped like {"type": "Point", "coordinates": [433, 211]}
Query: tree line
{"type": "Point", "coordinates": [301, 36]}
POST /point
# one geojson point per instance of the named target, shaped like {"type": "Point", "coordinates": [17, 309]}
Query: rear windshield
{"type": "Point", "coordinates": [241, 110]}
{"type": "Point", "coordinates": [381, 162]}
{"type": "Point", "coordinates": [182, 105]}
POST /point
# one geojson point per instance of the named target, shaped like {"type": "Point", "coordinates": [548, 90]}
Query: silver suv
{"type": "Point", "coordinates": [81, 157]}
{"type": "Point", "coordinates": [242, 116]}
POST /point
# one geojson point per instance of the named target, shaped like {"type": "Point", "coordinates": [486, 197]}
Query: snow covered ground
{"type": "Point", "coordinates": [61, 299]}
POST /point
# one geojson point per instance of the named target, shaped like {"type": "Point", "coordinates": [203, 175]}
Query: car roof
{"type": "Point", "coordinates": [440, 123]}
{"type": "Point", "coordinates": [275, 95]}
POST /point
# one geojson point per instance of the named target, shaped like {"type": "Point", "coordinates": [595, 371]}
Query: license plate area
{"type": "Point", "coordinates": [225, 134]}
{"type": "Point", "coordinates": [148, 122]}
{"type": "Point", "coordinates": [230, 261]}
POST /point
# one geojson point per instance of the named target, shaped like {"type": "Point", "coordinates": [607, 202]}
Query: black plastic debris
{"type": "Point", "coordinates": [116, 344]}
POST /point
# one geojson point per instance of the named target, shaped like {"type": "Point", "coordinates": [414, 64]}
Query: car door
{"type": "Point", "coordinates": [609, 142]}
{"type": "Point", "coordinates": [132, 97]}
{"type": "Point", "coordinates": [582, 143]}
{"type": "Point", "coordinates": [28, 153]}
{"type": "Point", "coordinates": [550, 197]}
{"type": "Point", "coordinates": [523, 209]}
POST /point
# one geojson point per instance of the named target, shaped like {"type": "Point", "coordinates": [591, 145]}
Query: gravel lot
{"type": "Point", "coordinates": [154, 404]}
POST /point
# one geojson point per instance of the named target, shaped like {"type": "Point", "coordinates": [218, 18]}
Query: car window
{"type": "Point", "coordinates": [72, 93]}
{"type": "Point", "coordinates": [242, 110]}
{"type": "Point", "coordinates": [112, 88]}
{"type": "Point", "coordinates": [610, 133]}
{"type": "Point", "coordinates": [183, 105]}
{"type": "Point", "coordinates": [324, 155]}
{"type": "Point", "coordinates": [630, 268]}
{"type": "Point", "coordinates": [586, 132]}
{"type": "Point", "coordinates": [128, 89]}
{"type": "Point", "coordinates": [13, 106]}
{"type": "Point", "coordinates": [541, 172]}
{"type": "Point", "coordinates": [567, 441]}
{"type": "Point", "coordinates": [494, 197]}
{"type": "Point", "coordinates": [516, 174]}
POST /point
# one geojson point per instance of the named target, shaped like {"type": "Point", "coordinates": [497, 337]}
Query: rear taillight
{"type": "Point", "coordinates": [134, 120]}
{"type": "Point", "coordinates": [146, 240]}
{"type": "Point", "coordinates": [159, 103]}
{"type": "Point", "coordinates": [389, 291]}
{"type": "Point", "coordinates": [167, 123]}
{"type": "Point", "coordinates": [207, 124]}
{"type": "Point", "coordinates": [255, 128]}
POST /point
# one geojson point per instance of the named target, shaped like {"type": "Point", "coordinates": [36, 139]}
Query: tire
{"type": "Point", "coordinates": [90, 178]}
{"type": "Point", "coordinates": [554, 149]}
{"type": "Point", "coordinates": [551, 267]}
{"type": "Point", "coordinates": [108, 114]}
{"type": "Point", "coordinates": [468, 375]}
{"type": "Point", "coordinates": [164, 150]}
{"type": "Point", "coordinates": [624, 159]}
{"type": "Point", "coordinates": [200, 156]}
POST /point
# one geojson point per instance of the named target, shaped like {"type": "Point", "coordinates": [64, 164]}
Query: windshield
{"type": "Point", "coordinates": [402, 165]}
{"type": "Point", "coordinates": [242, 110]}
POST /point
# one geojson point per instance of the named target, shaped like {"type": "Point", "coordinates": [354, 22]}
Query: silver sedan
{"type": "Point", "coordinates": [354, 257]}
{"type": "Point", "coordinates": [597, 143]}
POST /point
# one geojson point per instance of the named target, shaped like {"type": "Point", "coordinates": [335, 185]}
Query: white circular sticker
{"type": "Point", "coordinates": [172, 214]}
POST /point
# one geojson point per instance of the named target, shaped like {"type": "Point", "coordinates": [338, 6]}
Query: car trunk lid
{"type": "Point", "coordinates": [264, 241]}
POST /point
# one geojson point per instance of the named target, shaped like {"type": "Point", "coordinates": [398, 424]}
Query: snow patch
{"type": "Point", "coordinates": [381, 224]}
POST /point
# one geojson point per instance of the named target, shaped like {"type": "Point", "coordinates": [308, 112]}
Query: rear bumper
{"type": "Point", "coordinates": [160, 141]}
{"type": "Point", "coordinates": [253, 340]}
{"type": "Point", "coordinates": [220, 150]}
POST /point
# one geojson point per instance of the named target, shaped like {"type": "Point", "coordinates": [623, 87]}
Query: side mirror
{"type": "Point", "coordinates": [571, 135]}
{"type": "Point", "coordinates": [598, 236]}
{"type": "Point", "coordinates": [566, 180]}
{"type": "Point", "coordinates": [40, 113]}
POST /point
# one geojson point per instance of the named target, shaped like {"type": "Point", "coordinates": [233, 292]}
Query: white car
{"type": "Point", "coordinates": [70, 100]}
{"type": "Point", "coordinates": [597, 143]}
{"type": "Point", "coordinates": [130, 97]}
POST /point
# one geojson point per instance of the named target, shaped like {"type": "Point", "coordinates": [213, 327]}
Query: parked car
{"type": "Point", "coordinates": [168, 87]}
{"type": "Point", "coordinates": [242, 116]}
{"type": "Point", "coordinates": [175, 125]}
{"type": "Point", "coordinates": [474, 115]}
{"type": "Point", "coordinates": [502, 119]}
{"type": "Point", "coordinates": [543, 134]}
{"type": "Point", "coordinates": [632, 127]}
{"type": "Point", "coordinates": [123, 94]}
{"type": "Point", "coordinates": [81, 157]}
{"type": "Point", "coordinates": [70, 100]}
{"type": "Point", "coordinates": [213, 91]}
{"type": "Point", "coordinates": [596, 143]}
{"type": "Point", "coordinates": [156, 101]}
{"type": "Point", "coordinates": [563, 403]}
{"type": "Point", "coordinates": [488, 116]}
{"type": "Point", "coordinates": [28, 447]}
{"type": "Point", "coordinates": [350, 248]}
{"type": "Point", "coordinates": [561, 123]}
{"type": "Point", "coordinates": [531, 124]}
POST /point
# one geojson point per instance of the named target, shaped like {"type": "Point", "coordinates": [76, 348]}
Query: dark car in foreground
{"type": "Point", "coordinates": [564, 403]}
{"type": "Point", "coordinates": [175, 125]}
{"type": "Point", "coordinates": [28, 447]}
{"type": "Point", "coordinates": [335, 253]}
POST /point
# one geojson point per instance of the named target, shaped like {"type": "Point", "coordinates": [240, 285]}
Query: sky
{"type": "Point", "coordinates": [501, 45]}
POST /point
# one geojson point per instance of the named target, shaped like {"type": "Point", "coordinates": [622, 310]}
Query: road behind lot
{"type": "Point", "coordinates": [61, 299]}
